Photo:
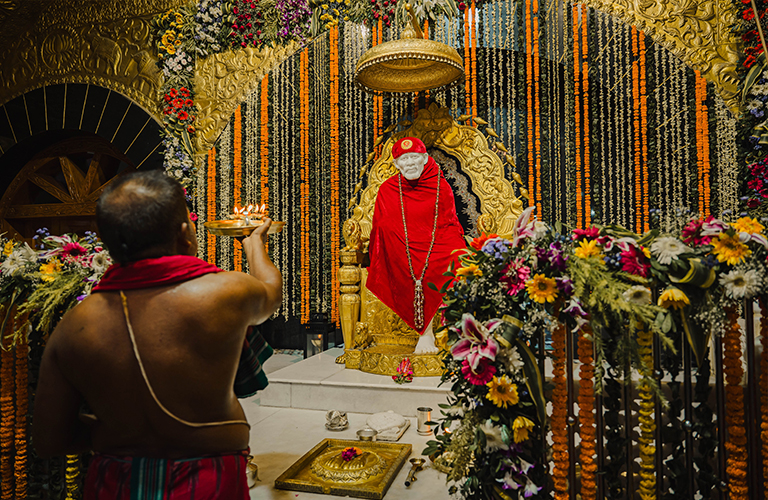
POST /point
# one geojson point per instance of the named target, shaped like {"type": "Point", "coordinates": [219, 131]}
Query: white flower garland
{"type": "Point", "coordinates": [727, 166]}
{"type": "Point", "coordinates": [224, 192]}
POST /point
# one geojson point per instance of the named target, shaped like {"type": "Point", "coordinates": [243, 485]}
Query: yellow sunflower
{"type": "Point", "coordinates": [673, 297]}
{"type": "Point", "coordinates": [8, 250]}
{"type": "Point", "coordinates": [542, 289]}
{"type": "Point", "coordinates": [587, 249]}
{"type": "Point", "coordinates": [729, 249]}
{"type": "Point", "coordinates": [521, 427]}
{"type": "Point", "coordinates": [748, 225]}
{"type": "Point", "coordinates": [501, 391]}
{"type": "Point", "coordinates": [50, 268]}
{"type": "Point", "coordinates": [470, 270]}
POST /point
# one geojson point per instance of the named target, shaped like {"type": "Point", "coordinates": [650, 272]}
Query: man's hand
{"type": "Point", "coordinates": [261, 232]}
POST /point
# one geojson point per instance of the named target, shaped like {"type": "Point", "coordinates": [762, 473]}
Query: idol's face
{"type": "Point", "coordinates": [411, 165]}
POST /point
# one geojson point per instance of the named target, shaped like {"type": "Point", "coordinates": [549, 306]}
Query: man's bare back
{"type": "Point", "coordinates": [190, 337]}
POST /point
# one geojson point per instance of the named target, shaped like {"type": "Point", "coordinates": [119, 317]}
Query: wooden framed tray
{"type": "Point", "coordinates": [237, 228]}
{"type": "Point", "coordinates": [369, 476]}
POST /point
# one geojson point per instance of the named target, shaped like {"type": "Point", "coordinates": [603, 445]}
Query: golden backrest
{"type": "Point", "coordinates": [367, 324]}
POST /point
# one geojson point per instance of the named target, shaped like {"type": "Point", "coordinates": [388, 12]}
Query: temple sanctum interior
{"type": "Point", "coordinates": [477, 249]}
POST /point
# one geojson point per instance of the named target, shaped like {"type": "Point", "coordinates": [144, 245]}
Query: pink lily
{"type": "Point", "coordinates": [523, 226]}
{"type": "Point", "coordinates": [476, 341]}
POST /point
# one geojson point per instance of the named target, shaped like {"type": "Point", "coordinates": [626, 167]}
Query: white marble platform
{"type": "Point", "coordinates": [280, 436]}
{"type": "Point", "coordinates": [318, 383]}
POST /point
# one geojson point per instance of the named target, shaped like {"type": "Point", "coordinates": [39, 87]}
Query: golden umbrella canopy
{"type": "Point", "coordinates": [411, 64]}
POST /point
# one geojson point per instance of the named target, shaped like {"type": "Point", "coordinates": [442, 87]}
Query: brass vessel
{"type": "Point", "coordinates": [411, 64]}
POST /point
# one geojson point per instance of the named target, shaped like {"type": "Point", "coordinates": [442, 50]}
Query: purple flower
{"type": "Point", "coordinates": [565, 285]}
{"type": "Point", "coordinates": [496, 247]}
{"type": "Point", "coordinates": [558, 258]}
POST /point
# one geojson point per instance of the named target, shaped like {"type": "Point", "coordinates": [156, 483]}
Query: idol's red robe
{"type": "Point", "coordinates": [388, 276]}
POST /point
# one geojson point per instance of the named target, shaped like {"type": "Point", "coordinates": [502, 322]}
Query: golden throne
{"type": "Point", "coordinates": [375, 338]}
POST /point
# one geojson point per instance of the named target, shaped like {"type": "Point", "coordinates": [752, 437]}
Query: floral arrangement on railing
{"type": "Point", "coordinates": [511, 291]}
{"type": "Point", "coordinates": [753, 126]}
{"type": "Point", "coordinates": [47, 281]}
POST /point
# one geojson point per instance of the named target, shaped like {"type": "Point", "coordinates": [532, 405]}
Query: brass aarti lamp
{"type": "Point", "coordinates": [411, 64]}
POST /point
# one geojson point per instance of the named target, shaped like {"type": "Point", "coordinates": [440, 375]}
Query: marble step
{"type": "Point", "coordinates": [318, 383]}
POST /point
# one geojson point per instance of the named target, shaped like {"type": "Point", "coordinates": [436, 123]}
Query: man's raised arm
{"type": "Point", "coordinates": [270, 287]}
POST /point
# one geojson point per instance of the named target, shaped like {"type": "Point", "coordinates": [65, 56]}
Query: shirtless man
{"type": "Point", "coordinates": [189, 335]}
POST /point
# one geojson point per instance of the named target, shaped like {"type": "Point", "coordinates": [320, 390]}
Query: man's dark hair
{"type": "Point", "coordinates": [139, 215]}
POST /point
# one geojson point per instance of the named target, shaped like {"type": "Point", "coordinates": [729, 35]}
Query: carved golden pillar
{"type": "Point", "coordinates": [349, 301]}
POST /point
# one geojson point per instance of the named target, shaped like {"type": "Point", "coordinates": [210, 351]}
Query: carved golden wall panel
{"type": "Point", "coordinates": [698, 32]}
{"type": "Point", "coordinates": [223, 81]}
{"type": "Point", "coordinates": [80, 41]}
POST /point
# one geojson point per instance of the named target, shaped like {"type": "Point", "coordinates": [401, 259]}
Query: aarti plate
{"type": "Point", "coordinates": [237, 228]}
{"type": "Point", "coordinates": [299, 476]}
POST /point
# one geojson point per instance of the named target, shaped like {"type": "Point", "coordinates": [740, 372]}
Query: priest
{"type": "Point", "coordinates": [414, 234]}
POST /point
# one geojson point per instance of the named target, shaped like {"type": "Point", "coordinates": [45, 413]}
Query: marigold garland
{"type": "Point", "coordinates": [646, 212]}
{"type": "Point", "coordinates": [585, 128]}
{"type": "Point", "coordinates": [536, 196]}
{"type": "Point", "coordinates": [531, 134]}
{"type": "Point", "coordinates": [264, 140]}
{"type": "Point", "coordinates": [237, 163]}
{"type": "Point", "coordinates": [587, 430]}
{"type": "Point", "coordinates": [636, 132]}
{"type": "Point", "coordinates": [467, 65]}
{"type": "Point", "coordinates": [764, 385]}
{"type": "Point", "coordinates": [210, 213]}
{"type": "Point", "coordinates": [304, 153]}
{"type": "Point", "coordinates": [72, 473]}
{"type": "Point", "coordinates": [7, 413]}
{"type": "Point", "coordinates": [473, 61]}
{"type": "Point", "coordinates": [646, 418]}
{"type": "Point", "coordinates": [577, 115]}
{"type": "Point", "coordinates": [702, 144]}
{"type": "Point", "coordinates": [335, 166]}
{"type": "Point", "coordinates": [736, 443]}
{"type": "Point", "coordinates": [559, 415]}
{"type": "Point", "coordinates": [22, 407]}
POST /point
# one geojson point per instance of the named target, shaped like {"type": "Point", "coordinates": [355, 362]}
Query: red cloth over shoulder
{"type": "Point", "coordinates": [388, 276]}
{"type": "Point", "coordinates": [147, 273]}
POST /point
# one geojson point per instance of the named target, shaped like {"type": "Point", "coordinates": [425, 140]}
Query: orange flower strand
{"type": "Point", "coordinates": [22, 407]}
{"type": "Point", "coordinates": [644, 134]}
{"type": "Point", "coordinates": [536, 196]}
{"type": "Point", "coordinates": [211, 203]}
{"type": "Point", "coordinates": [467, 66]}
{"type": "Point", "coordinates": [636, 132]}
{"type": "Point", "coordinates": [577, 114]}
{"type": "Point", "coordinates": [736, 444]}
{"type": "Point", "coordinates": [473, 55]}
{"type": "Point", "coordinates": [585, 97]}
{"type": "Point", "coordinates": [304, 189]}
{"type": "Point", "coordinates": [7, 414]}
{"type": "Point", "coordinates": [587, 429]}
{"type": "Point", "coordinates": [529, 95]}
{"type": "Point", "coordinates": [335, 166]}
{"type": "Point", "coordinates": [237, 164]}
{"type": "Point", "coordinates": [264, 142]}
{"type": "Point", "coordinates": [559, 415]}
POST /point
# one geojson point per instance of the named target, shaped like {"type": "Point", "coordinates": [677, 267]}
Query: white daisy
{"type": "Point", "coordinates": [493, 440]}
{"type": "Point", "coordinates": [20, 257]}
{"type": "Point", "coordinates": [100, 262]}
{"type": "Point", "coordinates": [511, 359]}
{"type": "Point", "coordinates": [667, 249]}
{"type": "Point", "coordinates": [741, 284]}
{"type": "Point", "coordinates": [637, 294]}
